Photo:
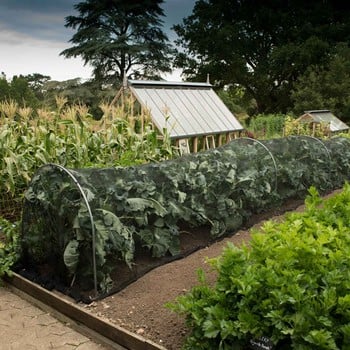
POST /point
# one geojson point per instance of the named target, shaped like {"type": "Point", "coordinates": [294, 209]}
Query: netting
{"type": "Point", "coordinates": [96, 230]}
{"type": "Point", "coordinates": [11, 206]}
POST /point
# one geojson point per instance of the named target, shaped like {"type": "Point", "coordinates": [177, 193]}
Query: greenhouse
{"type": "Point", "coordinates": [97, 230]}
{"type": "Point", "coordinates": [191, 112]}
{"type": "Point", "coordinates": [326, 117]}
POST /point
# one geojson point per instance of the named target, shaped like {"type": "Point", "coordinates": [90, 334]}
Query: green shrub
{"type": "Point", "coordinates": [267, 125]}
{"type": "Point", "coordinates": [9, 246]}
{"type": "Point", "coordinates": [291, 285]}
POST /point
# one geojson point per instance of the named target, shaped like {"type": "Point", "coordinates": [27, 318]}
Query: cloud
{"type": "Point", "coordinates": [41, 19]}
{"type": "Point", "coordinates": [39, 56]}
{"type": "Point", "coordinates": [39, 5]}
{"type": "Point", "coordinates": [10, 38]}
{"type": "Point", "coordinates": [32, 34]}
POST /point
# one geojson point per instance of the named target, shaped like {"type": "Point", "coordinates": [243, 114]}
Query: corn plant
{"type": "Point", "coordinates": [9, 108]}
{"type": "Point", "coordinates": [65, 136]}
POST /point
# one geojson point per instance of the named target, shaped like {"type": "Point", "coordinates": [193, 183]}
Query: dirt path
{"type": "Point", "coordinates": [140, 306]}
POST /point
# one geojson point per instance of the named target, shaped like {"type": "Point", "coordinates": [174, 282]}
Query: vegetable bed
{"type": "Point", "coordinates": [99, 229]}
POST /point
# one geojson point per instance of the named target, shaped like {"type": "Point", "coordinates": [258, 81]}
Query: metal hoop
{"type": "Point", "coordinates": [319, 141]}
{"type": "Point", "coordinates": [271, 155]}
{"type": "Point", "coordinates": [90, 215]}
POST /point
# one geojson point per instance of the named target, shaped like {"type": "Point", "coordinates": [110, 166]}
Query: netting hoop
{"type": "Point", "coordinates": [270, 154]}
{"type": "Point", "coordinates": [318, 140]}
{"type": "Point", "coordinates": [93, 233]}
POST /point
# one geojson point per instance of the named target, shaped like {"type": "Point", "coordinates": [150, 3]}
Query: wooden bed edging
{"type": "Point", "coordinates": [106, 329]}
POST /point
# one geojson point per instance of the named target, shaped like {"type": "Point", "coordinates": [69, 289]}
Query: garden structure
{"type": "Point", "coordinates": [96, 230]}
{"type": "Point", "coordinates": [326, 118]}
{"type": "Point", "coordinates": [191, 113]}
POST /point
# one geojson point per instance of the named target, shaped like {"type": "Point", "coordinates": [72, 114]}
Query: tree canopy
{"type": "Point", "coordinates": [262, 46]}
{"type": "Point", "coordinates": [18, 90]}
{"type": "Point", "coordinates": [117, 36]}
{"type": "Point", "coordinates": [327, 87]}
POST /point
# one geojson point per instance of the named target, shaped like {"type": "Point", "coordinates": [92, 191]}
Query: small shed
{"type": "Point", "coordinates": [192, 113]}
{"type": "Point", "coordinates": [326, 117]}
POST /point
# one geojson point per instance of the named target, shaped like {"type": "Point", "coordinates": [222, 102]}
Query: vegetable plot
{"type": "Point", "coordinates": [85, 223]}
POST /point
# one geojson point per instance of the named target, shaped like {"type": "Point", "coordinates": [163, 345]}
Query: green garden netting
{"type": "Point", "coordinates": [97, 229]}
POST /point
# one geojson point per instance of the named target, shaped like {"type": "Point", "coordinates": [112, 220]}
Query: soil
{"type": "Point", "coordinates": [140, 307]}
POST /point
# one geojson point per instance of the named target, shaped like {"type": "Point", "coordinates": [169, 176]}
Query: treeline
{"type": "Point", "coordinates": [39, 91]}
{"type": "Point", "coordinates": [326, 88]}
{"type": "Point", "coordinates": [281, 56]}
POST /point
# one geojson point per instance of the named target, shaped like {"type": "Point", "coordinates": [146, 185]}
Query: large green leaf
{"type": "Point", "coordinates": [141, 204]}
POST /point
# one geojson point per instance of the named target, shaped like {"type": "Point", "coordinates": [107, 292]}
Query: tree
{"type": "Point", "coordinates": [22, 93]}
{"type": "Point", "coordinates": [18, 89]}
{"type": "Point", "coordinates": [263, 46]}
{"type": "Point", "coordinates": [37, 81]}
{"type": "Point", "coordinates": [326, 87]}
{"type": "Point", "coordinates": [118, 37]}
{"type": "Point", "coordinates": [89, 93]}
{"type": "Point", "coordinates": [4, 88]}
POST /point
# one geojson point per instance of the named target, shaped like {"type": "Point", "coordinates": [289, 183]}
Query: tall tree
{"type": "Point", "coordinates": [4, 88]}
{"type": "Point", "coordinates": [18, 89]}
{"type": "Point", "coordinates": [262, 46]}
{"type": "Point", "coordinates": [326, 87]}
{"type": "Point", "coordinates": [36, 82]}
{"type": "Point", "coordinates": [117, 36]}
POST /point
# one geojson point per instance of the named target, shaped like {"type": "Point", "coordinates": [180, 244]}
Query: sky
{"type": "Point", "coordinates": [32, 34]}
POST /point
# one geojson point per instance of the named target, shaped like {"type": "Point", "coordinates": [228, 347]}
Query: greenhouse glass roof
{"type": "Point", "coordinates": [184, 109]}
{"type": "Point", "coordinates": [324, 116]}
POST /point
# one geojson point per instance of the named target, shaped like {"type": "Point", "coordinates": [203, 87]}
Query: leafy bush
{"type": "Point", "coordinates": [290, 286]}
{"type": "Point", "coordinates": [267, 125]}
{"type": "Point", "coordinates": [9, 246]}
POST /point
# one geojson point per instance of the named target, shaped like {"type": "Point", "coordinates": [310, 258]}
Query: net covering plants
{"type": "Point", "coordinates": [99, 229]}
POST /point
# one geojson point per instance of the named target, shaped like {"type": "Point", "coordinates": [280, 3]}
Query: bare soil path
{"type": "Point", "coordinates": [140, 306]}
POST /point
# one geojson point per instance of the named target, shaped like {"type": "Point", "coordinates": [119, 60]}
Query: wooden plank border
{"type": "Point", "coordinates": [114, 333]}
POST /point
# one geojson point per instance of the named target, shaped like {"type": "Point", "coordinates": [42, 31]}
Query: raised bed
{"type": "Point", "coordinates": [96, 327]}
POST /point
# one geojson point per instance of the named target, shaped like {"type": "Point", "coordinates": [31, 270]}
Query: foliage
{"type": "Point", "coordinates": [9, 246]}
{"type": "Point", "coordinates": [267, 125]}
{"type": "Point", "coordinates": [118, 37]}
{"type": "Point", "coordinates": [291, 285]}
{"type": "Point", "coordinates": [326, 86]}
{"type": "Point", "coordinates": [71, 138]}
{"type": "Point", "coordinates": [146, 206]}
{"type": "Point", "coordinates": [19, 91]}
{"type": "Point", "coordinates": [233, 100]}
{"type": "Point", "coordinates": [261, 46]}
{"type": "Point", "coordinates": [294, 127]}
